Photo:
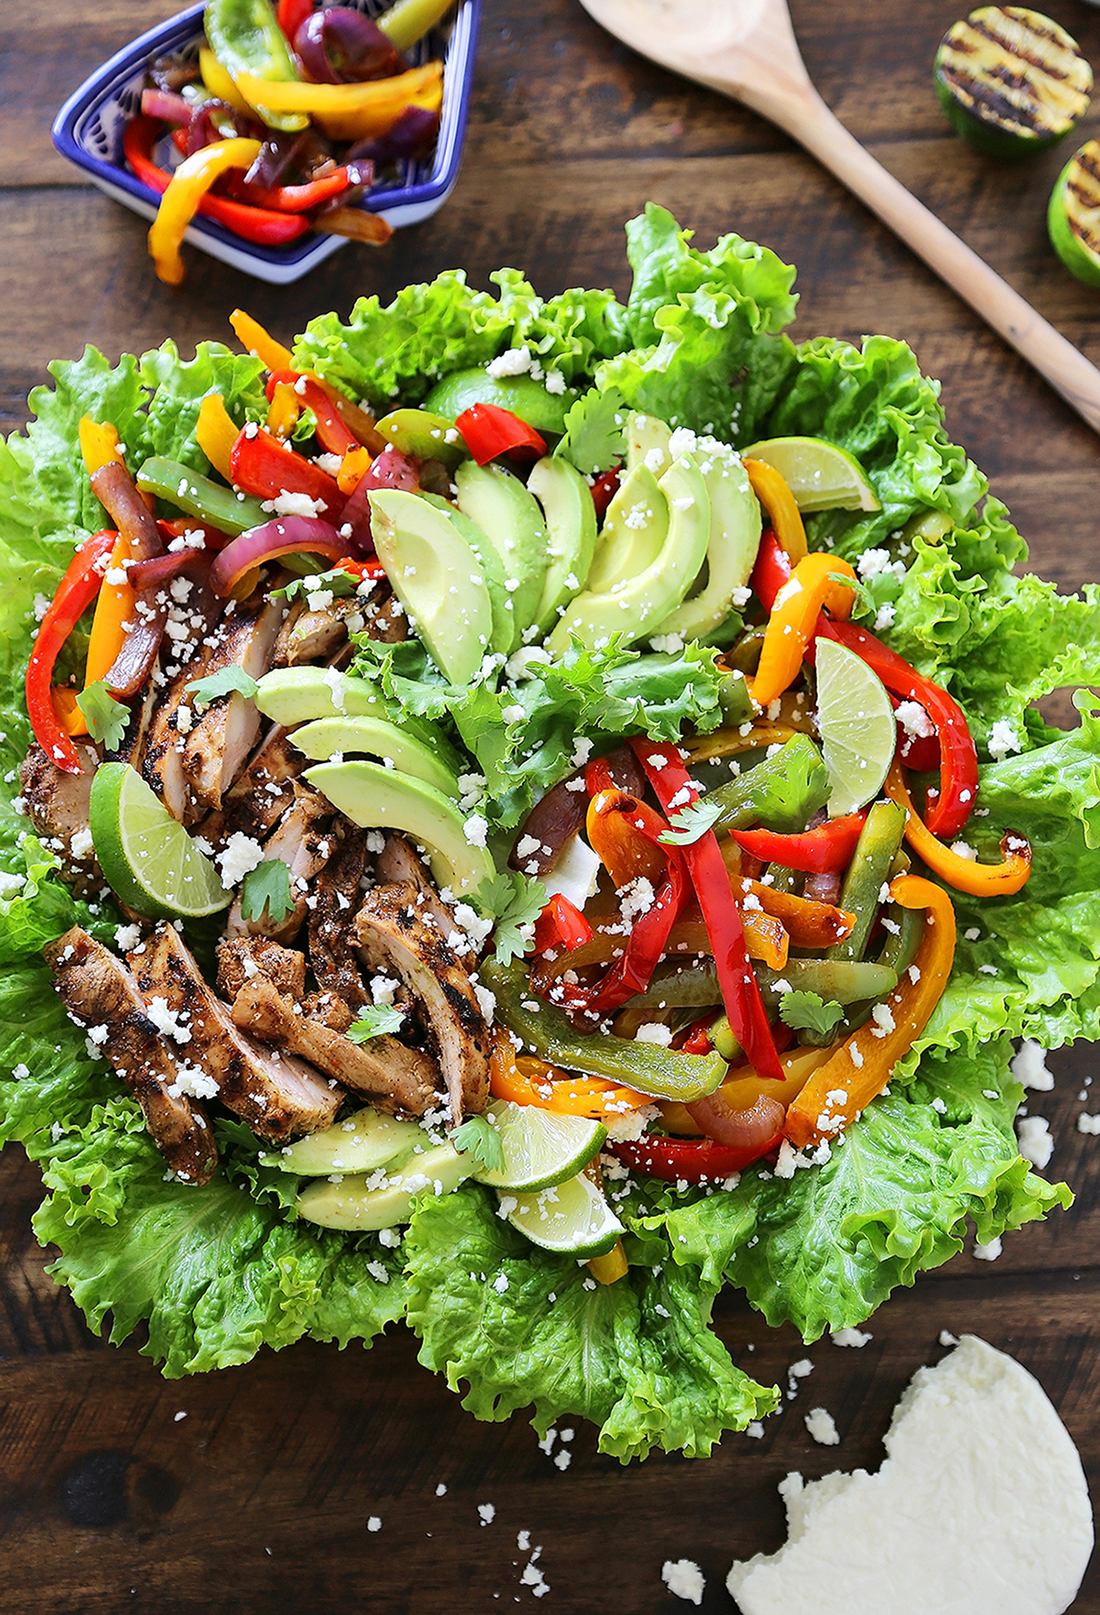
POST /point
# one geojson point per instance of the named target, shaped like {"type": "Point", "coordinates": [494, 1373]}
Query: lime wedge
{"type": "Point", "coordinates": [540, 1147]}
{"type": "Point", "coordinates": [857, 726]}
{"type": "Point", "coordinates": [1073, 217]}
{"type": "Point", "coordinates": [149, 860]}
{"type": "Point", "coordinates": [362, 1143]}
{"type": "Point", "coordinates": [821, 476]}
{"type": "Point", "coordinates": [572, 1218]}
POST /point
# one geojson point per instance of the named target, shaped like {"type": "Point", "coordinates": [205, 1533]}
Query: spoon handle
{"type": "Point", "coordinates": [807, 117]}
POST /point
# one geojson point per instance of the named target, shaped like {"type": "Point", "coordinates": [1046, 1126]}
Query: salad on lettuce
{"type": "Point", "coordinates": [520, 813]}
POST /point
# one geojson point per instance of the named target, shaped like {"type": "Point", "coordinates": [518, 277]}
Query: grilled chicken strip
{"type": "Point", "coordinates": [219, 742]}
{"type": "Point", "coordinates": [242, 957]}
{"type": "Point", "coordinates": [393, 935]}
{"type": "Point", "coordinates": [398, 862]}
{"type": "Point", "coordinates": [312, 636]}
{"type": "Point", "coordinates": [337, 895]}
{"type": "Point", "coordinates": [98, 991]}
{"type": "Point", "coordinates": [279, 1097]}
{"type": "Point", "coordinates": [57, 806]}
{"type": "Point", "coordinates": [393, 1077]}
{"type": "Point", "coordinates": [387, 621]}
{"type": "Point", "coordinates": [305, 841]}
{"type": "Point", "coordinates": [261, 792]}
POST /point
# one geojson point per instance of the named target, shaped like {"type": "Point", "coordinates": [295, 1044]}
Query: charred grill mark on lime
{"type": "Point", "coordinates": [1011, 81]}
{"type": "Point", "coordinates": [1073, 217]}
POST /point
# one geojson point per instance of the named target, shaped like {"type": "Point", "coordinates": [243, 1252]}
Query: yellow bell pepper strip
{"type": "Point", "coordinates": [283, 410]}
{"type": "Point", "coordinates": [529, 1081]}
{"type": "Point", "coordinates": [777, 499]}
{"type": "Point", "coordinates": [862, 1066]}
{"type": "Point", "coordinates": [246, 38]}
{"type": "Point", "coordinates": [409, 20]}
{"type": "Point", "coordinates": [220, 82]}
{"type": "Point", "coordinates": [612, 1267]}
{"type": "Point", "coordinates": [180, 202]}
{"type": "Point", "coordinates": [815, 585]}
{"type": "Point", "coordinates": [114, 608]}
{"type": "Point", "coordinates": [216, 433]}
{"type": "Point", "coordinates": [252, 335]}
{"type": "Point", "coordinates": [98, 443]}
{"type": "Point", "coordinates": [353, 468]}
{"type": "Point", "coordinates": [964, 874]}
{"type": "Point", "coordinates": [350, 111]}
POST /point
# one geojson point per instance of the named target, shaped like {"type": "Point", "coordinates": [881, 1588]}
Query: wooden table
{"type": "Point", "coordinates": [257, 1500]}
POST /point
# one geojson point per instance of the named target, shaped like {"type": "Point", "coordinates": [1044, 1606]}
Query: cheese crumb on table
{"type": "Point", "coordinates": [1036, 1143]}
{"type": "Point", "coordinates": [684, 1579]}
{"type": "Point", "coordinates": [946, 1523]}
{"type": "Point", "coordinates": [990, 1252]}
{"type": "Point", "coordinates": [822, 1426]}
{"type": "Point", "coordinates": [850, 1337]}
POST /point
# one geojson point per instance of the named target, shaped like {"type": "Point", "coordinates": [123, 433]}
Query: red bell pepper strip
{"type": "Point", "coordinates": [335, 437]}
{"type": "Point", "coordinates": [604, 489]}
{"type": "Point", "coordinates": [371, 568]}
{"type": "Point", "coordinates": [561, 925]}
{"type": "Point", "coordinates": [291, 14]}
{"type": "Point", "coordinates": [696, 1039]}
{"type": "Point", "coordinates": [262, 225]}
{"type": "Point", "coordinates": [689, 1160]}
{"type": "Point", "coordinates": [648, 939]}
{"type": "Point", "coordinates": [75, 593]}
{"type": "Point", "coordinates": [489, 431]}
{"type": "Point", "coordinates": [825, 850]}
{"type": "Point", "coordinates": [703, 859]}
{"type": "Point", "coordinates": [772, 569]}
{"type": "Point", "coordinates": [263, 466]}
{"type": "Point", "coordinates": [290, 198]}
{"type": "Point", "coordinates": [950, 808]}
{"type": "Point", "coordinates": [921, 753]}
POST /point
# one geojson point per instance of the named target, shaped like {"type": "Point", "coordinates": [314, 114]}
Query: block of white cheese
{"type": "Point", "coordinates": [980, 1508]}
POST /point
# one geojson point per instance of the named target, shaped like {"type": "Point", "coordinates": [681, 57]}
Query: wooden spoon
{"type": "Point", "coordinates": [747, 49]}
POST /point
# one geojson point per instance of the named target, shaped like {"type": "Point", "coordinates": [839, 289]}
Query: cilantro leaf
{"type": "Point", "coordinates": [339, 582]}
{"type": "Point", "coordinates": [375, 1020]}
{"type": "Point", "coordinates": [594, 437]}
{"type": "Point", "coordinates": [267, 888]}
{"type": "Point", "coordinates": [478, 1137]}
{"type": "Point", "coordinates": [223, 682]}
{"type": "Point", "coordinates": [807, 1011]}
{"type": "Point", "coordinates": [106, 718]}
{"type": "Point", "coordinates": [513, 903]}
{"type": "Point", "coordinates": [690, 824]}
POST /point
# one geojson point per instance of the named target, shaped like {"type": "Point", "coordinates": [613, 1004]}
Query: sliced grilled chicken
{"type": "Point", "coordinates": [132, 746]}
{"type": "Point", "coordinates": [278, 1096]}
{"type": "Point", "coordinates": [386, 619]}
{"type": "Point", "coordinates": [337, 893]}
{"type": "Point", "coordinates": [98, 991]}
{"type": "Point", "coordinates": [312, 636]}
{"type": "Point", "coordinates": [393, 935]}
{"type": "Point", "coordinates": [57, 806]}
{"type": "Point", "coordinates": [305, 841]}
{"type": "Point", "coordinates": [261, 792]}
{"type": "Point", "coordinates": [242, 957]}
{"type": "Point", "coordinates": [398, 862]}
{"type": "Point", "coordinates": [162, 755]}
{"type": "Point", "coordinates": [220, 741]}
{"type": "Point", "coordinates": [385, 1071]}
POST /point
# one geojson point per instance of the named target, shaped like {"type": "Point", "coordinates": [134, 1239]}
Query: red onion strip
{"type": "Point", "coordinates": [286, 535]}
{"type": "Point", "coordinates": [756, 1125]}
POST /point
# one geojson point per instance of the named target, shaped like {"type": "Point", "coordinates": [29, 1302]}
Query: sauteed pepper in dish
{"type": "Point", "coordinates": [527, 840]}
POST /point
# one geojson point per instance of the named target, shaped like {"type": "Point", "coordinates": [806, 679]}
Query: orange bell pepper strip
{"type": "Point", "coordinates": [964, 874]}
{"type": "Point", "coordinates": [98, 443]}
{"type": "Point", "coordinates": [529, 1081]}
{"type": "Point", "coordinates": [283, 410]}
{"type": "Point", "coordinates": [216, 432]}
{"type": "Point", "coordinates": [615, 827]}
{"type": "Point", "coordinates": [114, 609]}
{"type": "Point", "coordinates": [252, 335]}
{"type": "Point", "coordinates": [66, 711]}
{"type": "Point", "coordinates": [862, 1066]}
{"type": "Point", "coordinates": [815, 585]}
{"type": "Point", "coordinates": [180, 202]}
{"type": "Point", "coordinates": [766, 938]}
{"type": "Point", "coordinates": [777, 499]}
{"type": "Point", "coordinates": [353, 468]}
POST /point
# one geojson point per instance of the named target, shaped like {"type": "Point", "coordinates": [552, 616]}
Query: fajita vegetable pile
{"type": "Point", "coordinates": [529, 811]}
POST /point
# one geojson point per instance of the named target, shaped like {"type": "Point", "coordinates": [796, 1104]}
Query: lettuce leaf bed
{"type": "Point", "coordinates": [216, 1273]}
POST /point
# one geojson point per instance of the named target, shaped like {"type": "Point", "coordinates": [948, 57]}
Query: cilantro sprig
{"type": "Point", "coordinates": [513, 903]}
{"type": "Point", "coordinates": [803, 1011]}
{"type": "Point", "coordinates": [375, 1020]}
{"type": "Point", "coordinates": [224, 682]}
{"type": "Point", "coordinates": [266, 890]}
{"type": "Point", "coordinates": [107, 719]}
{"type": "Point", "coordinates": [478, 1137]}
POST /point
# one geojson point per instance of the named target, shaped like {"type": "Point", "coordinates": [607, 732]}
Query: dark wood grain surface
{"type": "Point", "coordinates": [249, 1490]}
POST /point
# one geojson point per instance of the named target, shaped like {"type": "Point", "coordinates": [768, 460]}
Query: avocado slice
{"type": "Point", "coordinates": [328, 736]}
{"type": "Point", "coordinates": [437, 578]}
{"type": "Point", "coordinates": [735, 527]}
{"type": "Point", "coordinates": [644, 434]}
{"type": "Point", "coordinates": [503, 637]}
{"type": "Point", "coordinates": [636, 606]}
{"type": "Point", "coordinates": [635, 529]}
{"type": "Point", "coordinates": [377, 798]}
{"type": "Point", "coordinates": [292, 695]}
{"type": "Point", "coordinates": [427, 436]}
{"type": "Point", "coordinates": [570, 514]}
{"type": "Point", "coordinates": [523, 395]}
{"type": "Point", "coordinates": [512, 521]}
{"type": "Point", "coordinates": [363, 1142]}
{"type": "Point", "coordinates": [350, 1204]}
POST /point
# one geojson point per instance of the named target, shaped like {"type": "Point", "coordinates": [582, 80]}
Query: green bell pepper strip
{"type": "Point", "coordinates": [246, 38]}
{"type": "Point", "coordinates": [409, 20]}
{"type": "Point", "coordinates": [839, 981]}
{"type": "Point", "coordinates": [651, 1069]}
{"type": "Point", "coordinates": [868, 872]}
{"type": "Point", "coordinates": [768, 791]}
{"type": "Point", "coordinates": [180, 486]}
